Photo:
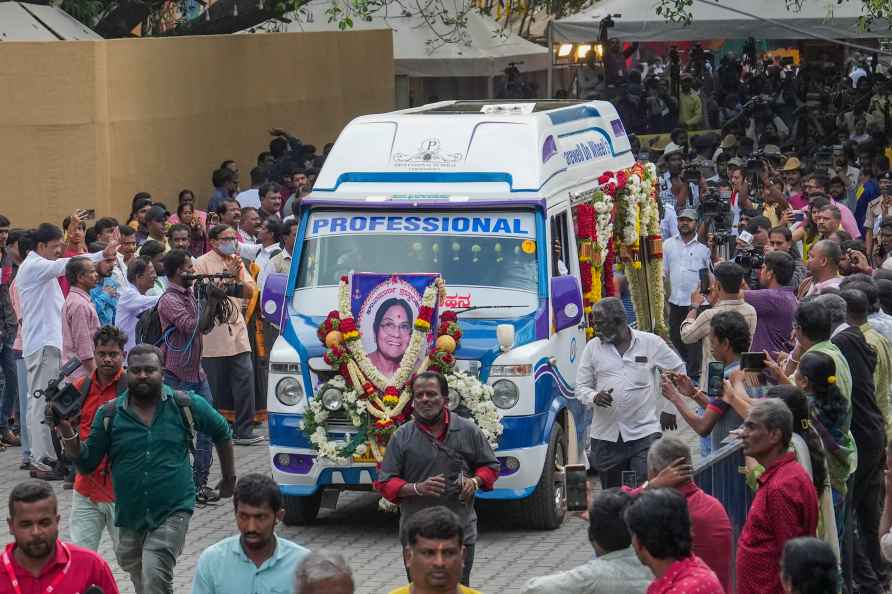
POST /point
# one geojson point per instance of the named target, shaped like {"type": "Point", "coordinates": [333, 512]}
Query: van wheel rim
{"type": "Point", "coordinates": [559, 494]}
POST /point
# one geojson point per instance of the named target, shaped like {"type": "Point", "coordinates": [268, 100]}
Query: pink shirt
{"type": "Point", "coordinates": [79, 324]}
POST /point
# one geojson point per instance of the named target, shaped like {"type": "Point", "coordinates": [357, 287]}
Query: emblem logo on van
{"type": "Point", "coordinates": [429, 155]}
{"type": "Point", "coordinates": [549, 148]}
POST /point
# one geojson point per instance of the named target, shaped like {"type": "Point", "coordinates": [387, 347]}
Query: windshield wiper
{"type": "Point", "coordinates": [467, 309]}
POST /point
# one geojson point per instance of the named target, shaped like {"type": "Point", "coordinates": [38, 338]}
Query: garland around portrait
{"type": "Point", "coordinates": [377, 405]}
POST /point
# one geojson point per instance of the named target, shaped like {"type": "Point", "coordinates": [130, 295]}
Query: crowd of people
{"type": "Point", "coordinates": [778, 273]}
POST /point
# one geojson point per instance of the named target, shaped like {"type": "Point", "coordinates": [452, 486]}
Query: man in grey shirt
{"type": "Point", "coordinates": [615, 570]}
{"type": "Point", "coordinates": [439, 458]}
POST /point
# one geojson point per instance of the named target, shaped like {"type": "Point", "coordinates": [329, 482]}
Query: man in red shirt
{"type": "Point", "coordinates": [93, 502]}
{"type": "Point", "coordinates": [669, 465]}
{"type": "Point", "coordinates": [785, 505]}
{"type": "Point", "coordinates": [38, 561]}
{"type": "Point", "coordinates": [661, 536]}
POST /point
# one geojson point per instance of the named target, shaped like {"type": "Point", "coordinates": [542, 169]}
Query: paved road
{"type": "Point", "coordinates": [507, 556]}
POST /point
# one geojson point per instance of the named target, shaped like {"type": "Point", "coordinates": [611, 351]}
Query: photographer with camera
{"type": "Point", "coordinates": [93, 500]}
{"type": "Point", "coordinates": [146, 434]}
{"type": "Point", "coordinates": [226, 357]}
{"type": "Point", "coordinates": [680, 186]}
{"type": "Point", "coordinates": [750, 254]}
{"type": "Point", "coordinates": [775, 304]}
{"type": "Point", "coordinates": [780, 239]}
{"type": "Point", "coordinates": [184, 322]}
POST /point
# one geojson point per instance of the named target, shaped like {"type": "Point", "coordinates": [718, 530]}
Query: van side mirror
{"type": "Point", "coordinates": [566, 301]}
{"type": "Point", "coordinates": [272, 300]}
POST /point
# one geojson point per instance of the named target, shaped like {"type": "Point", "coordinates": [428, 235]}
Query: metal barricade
{"type": "Point", "coordinates": [721, 475]}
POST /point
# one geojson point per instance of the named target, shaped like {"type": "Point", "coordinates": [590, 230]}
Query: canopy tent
{"type": "Point", "coordinates": [417, 52]}
{"type": "Point", "coordinates": [720, 20]}
{"type": "Point", "coordinates": [38, 22]}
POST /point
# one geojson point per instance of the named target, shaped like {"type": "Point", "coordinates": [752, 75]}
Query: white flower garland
{"type": "Point", "coordinates": [603, 204]}
{"type": "Point", "coordinates": [476, 397]}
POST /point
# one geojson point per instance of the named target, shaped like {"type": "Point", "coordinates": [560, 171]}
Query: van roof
{"type": "Point", "coordinates": [481, 150]}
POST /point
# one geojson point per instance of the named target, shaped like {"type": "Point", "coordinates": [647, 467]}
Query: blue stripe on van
{"type": "Point", "coordinates": [572, 114]}
{"type": "Point", "coordinates": [431, 177]}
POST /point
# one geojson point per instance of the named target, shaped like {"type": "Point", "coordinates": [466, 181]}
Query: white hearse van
{"type": "Point", "coordinates": [479, 192]}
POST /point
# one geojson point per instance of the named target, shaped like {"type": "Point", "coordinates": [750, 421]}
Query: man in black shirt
{"type": "Point", "coordinates": [868, 430]}
{"type": "Point", "coordinates": [868, 482]}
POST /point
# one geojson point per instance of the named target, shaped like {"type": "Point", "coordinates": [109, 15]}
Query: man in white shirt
{"type": "Point", "coordinates": [251, 197]}
{"type": "Point", "coordinates": [41, 300]}
{"type": "Point", "coordinates": [281, 262]}
{"type": "Point", "coordinates": [134, 298]}
{"type": "Point", "coordinates": [619, 375]}
{"type": "Point", "coordinates": [683, 259]}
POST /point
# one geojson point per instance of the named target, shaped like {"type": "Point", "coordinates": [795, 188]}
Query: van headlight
{"type": "Point", "coordinates": [331, 397]}
{"type": "Point", "coordinates": [505, 394]}
{"type": "Point", "coordinates": [454, 399]}
{"type": "Point", "coordinates": [289, 391]}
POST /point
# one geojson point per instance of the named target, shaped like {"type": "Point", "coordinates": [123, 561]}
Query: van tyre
{"type": "Point", "coordinates": [300, 511]}
{"type": "Point", "coordinates": [546, 508]}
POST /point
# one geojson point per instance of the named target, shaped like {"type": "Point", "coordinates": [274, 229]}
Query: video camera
{"type": "Point", "coordinates": [691, 174]}
{"type": "Point", "coordinates": [63, 402]}
{"type": "Point", "coordinates": [750, 257]}
{"type": "Point", "coordinates": [202, 282]}
{"type": "Point", "coordinates": [715, 212]}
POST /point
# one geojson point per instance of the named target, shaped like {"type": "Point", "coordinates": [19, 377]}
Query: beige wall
{"type": "Point", "coordinates": [88, 124]}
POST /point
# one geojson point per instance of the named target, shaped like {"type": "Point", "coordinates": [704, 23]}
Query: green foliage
{"type": "Point", "coordinates": [680, 11]}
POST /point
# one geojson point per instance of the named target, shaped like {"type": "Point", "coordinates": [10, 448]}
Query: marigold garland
{"type": "Point", "coordinates": [624, 201]}
{"type": "Point", "coordinates": [377, 405]}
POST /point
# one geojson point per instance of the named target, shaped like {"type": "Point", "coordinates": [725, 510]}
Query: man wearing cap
{"type": "Point", "coordinates": [792, 172]}
{"type": "Point", "coordinates": [156, 226]}
{"type": "Point", "coordinates": [683, 259]}
{"type": "Point", "coordinates": [878, 210]}
{"type": "Point", "coordinates": [727, 147]}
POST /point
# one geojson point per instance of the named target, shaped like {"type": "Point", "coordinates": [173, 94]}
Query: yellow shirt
{"type": "Point", "coordinates": [461, 589]}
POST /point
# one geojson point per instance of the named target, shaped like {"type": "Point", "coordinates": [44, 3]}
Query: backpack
{"type": "Point", "coordinates": [148, 327]}
{"type": "Point", "coordinates": [184, 403]}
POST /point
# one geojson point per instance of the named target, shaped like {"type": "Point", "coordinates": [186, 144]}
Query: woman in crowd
{"type": "Point", "coordinates": [809, 566]}
{"type": "Point", "coordinates": [188, 197]}
{"type": "Point", "coordinates": [198, 240]}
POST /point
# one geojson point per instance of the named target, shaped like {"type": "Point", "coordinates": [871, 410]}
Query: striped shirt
{"type": "Point", "coordinates": [179, 308]}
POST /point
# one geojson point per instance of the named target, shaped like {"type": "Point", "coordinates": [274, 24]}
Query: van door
{"type": "Point", "coordinates": [567, 345]}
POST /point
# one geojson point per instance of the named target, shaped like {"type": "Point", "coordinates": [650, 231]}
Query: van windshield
{"type": "Point", "coordinates": [485, 249]}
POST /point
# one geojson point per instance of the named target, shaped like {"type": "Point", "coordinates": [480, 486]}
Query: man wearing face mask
{"type": "Point", "coordinates": [439, 458]}
{"type": "Point", "coordinates": [226, 357]}
{"type": "Point", "coordinates": [619, 375]}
